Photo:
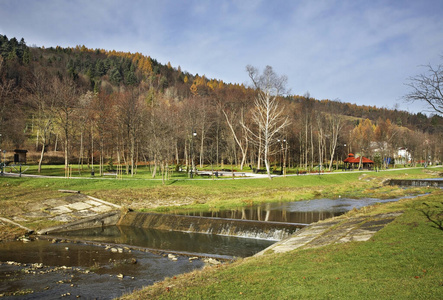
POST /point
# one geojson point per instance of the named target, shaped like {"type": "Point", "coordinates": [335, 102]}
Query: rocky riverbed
{"type": "Point", "coordinates": [43, 269]}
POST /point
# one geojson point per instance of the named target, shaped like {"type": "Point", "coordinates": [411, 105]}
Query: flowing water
{"type": "Point", "coordinates": [45, 270]}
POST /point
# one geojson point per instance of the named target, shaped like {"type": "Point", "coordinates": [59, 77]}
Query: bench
{"type": "Point", "coordinates": [110, 174]}
{"type": "Point", "coordinates": [204, 174]}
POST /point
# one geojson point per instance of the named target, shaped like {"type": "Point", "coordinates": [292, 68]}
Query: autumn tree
{"type": "Point", "coordinates": [363, 135]}
{"type": "Point", "coordinates": [268, 113]}
{"type": "Point", "coordinates": [384, 135]}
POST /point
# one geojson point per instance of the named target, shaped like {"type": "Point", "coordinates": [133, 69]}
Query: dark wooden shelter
{"type": "Point", "coordinates": [20, 156]}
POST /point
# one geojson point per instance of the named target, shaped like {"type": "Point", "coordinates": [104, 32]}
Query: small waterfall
{"type": "Point", "coordinates": [220, 226]}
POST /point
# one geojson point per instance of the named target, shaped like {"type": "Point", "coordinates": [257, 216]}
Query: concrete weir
{"type": "Point", "coordinates": [220, 226]}
{"type": "Point", "coordinates": [438, 182]}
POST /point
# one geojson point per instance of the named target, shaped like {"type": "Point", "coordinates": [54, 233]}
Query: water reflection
{"type": "Point", "coordinates": [291, 212]}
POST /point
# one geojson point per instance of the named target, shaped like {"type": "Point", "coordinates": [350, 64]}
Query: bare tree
{"type": "Point", "coordinates": [268, 114]}
{"type": "Point", "coordinates": [428, 87]}
{"type": "Point", "coordinates": [66, 93]}
{"type": "Point", "coordinates": [43, 101]}
{"type": "Point", "coordinates": [335, 126]}
{"type": "Point", "coordinates": [132, 108]}
{"type": "Point", "coordinates": [160, 136]}
{"type": "Point", "coordinates": [241, 142]}
{"type": "Point", "coordinates": [84, 118]}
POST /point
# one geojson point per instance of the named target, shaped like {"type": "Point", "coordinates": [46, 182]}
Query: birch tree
{"type": "Point", "coordinates": [335, 125]}
{"type": "Point", "coordinates": [241, 142]}
{"type": "Point", "coordinates": [268, 113]}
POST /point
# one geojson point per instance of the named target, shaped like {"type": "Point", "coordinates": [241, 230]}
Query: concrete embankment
{"type": "Point", "coordinates": [101, 220]}
{"type": "Point", "coordinates": [438, 182]}
{"type": "Point", "coordinates": [337, 230]}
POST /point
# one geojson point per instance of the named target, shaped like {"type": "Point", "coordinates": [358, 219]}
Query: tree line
{"type": "Point", "coordinates": [101, 108]}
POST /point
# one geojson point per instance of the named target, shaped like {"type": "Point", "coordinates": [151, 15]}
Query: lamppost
{"type": "Point", "coordinates": [337, 148]}
{"type": "Point", "coordinates": [194, 134]}
{"type": "Point", "coordinates": [281, 156]}
{"type": "Point", "coordinates": [285, 157]}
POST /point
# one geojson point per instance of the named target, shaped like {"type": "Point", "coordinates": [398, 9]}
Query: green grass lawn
{"type": "Point", "coordinates": [214, 194]}
{"type": "Point", "coordinates": [402, 261]}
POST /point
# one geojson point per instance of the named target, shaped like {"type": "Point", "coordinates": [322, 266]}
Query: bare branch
{"type": "Point", "coordinates": [428, 88]}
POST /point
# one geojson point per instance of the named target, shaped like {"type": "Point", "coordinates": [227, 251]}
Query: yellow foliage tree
{"type": "Point", "coordinates": [363, 135]}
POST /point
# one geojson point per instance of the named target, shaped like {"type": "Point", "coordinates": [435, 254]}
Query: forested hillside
{"type": "Point", "coordinates": [78, 105]}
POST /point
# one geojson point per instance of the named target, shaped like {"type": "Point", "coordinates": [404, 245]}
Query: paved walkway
{"type": "Point", "coordinates": [334, 231]}
{"type": "Point", "coordinates": [224, 175]}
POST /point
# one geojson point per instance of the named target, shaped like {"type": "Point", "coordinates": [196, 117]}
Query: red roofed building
{"type": "Point", "coordinates": [351, 161]}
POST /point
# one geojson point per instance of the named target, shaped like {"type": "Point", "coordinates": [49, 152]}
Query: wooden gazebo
{"type": "Point", "coordinates": [351, 161]}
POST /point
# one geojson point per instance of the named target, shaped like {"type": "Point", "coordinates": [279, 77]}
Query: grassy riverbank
{"type": "Point", "coordinates": [19, 196]}
{"type": "Point", "coordinates": [402, 261]}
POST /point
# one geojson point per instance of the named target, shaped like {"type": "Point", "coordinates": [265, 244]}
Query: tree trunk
{"type": "Point", "coordinates": [42, 153]}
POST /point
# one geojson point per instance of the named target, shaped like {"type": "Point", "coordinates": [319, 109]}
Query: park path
{"type": "Point", "coordinates": [223, 175]}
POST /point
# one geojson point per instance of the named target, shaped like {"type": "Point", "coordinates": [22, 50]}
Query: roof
{"type": "Point", "coordinates": [356, 160]}
{"type": "Point", "coordinates": [20, 151]}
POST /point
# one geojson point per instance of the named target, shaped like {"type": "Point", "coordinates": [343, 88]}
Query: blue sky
{"type": "Point", "coordinates": [354, 51]}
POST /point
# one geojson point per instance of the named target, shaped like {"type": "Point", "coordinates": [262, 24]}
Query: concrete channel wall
{"type": "Point", "coordinates": [417, 182]}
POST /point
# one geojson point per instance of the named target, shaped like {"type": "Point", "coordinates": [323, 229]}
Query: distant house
{"type": "Point", "coordinates": [403, 156]}
{"type": "Point", "coordinates": [353, 162]}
